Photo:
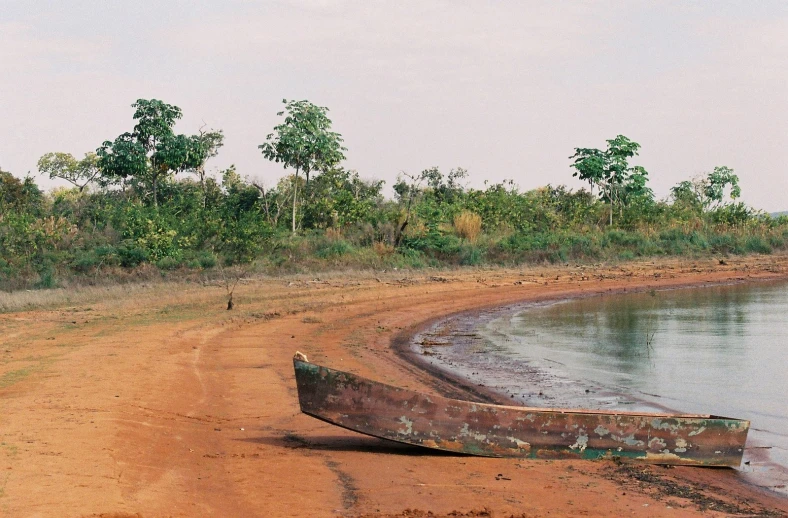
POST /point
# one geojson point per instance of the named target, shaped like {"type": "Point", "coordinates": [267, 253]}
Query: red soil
{"type": "Point", "coordinates": [167, 405]}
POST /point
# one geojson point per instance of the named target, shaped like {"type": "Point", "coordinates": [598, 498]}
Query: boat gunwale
{"type": "Point", "coordinates": [576, 411]}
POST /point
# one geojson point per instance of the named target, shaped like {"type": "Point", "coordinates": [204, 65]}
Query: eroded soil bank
{"type": "Point", "coordinates": [159, 402]}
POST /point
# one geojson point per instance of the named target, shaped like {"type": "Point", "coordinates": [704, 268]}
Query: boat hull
{"type": "Point", "coordinates": [405, 416]}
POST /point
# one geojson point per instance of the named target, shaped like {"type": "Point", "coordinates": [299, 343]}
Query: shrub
{"type": "Point", "coordinates": [6, 270]}
{"type": "Point", "coordinates": [676, 241]}
{"type": "Point", "coordinates": [333, 248]}
{"type": "Point", "coordinates": [167, 263]}
{"type": "Point", "coordinates": [150, 232]}
{"type": "Point", "coordinates": [758, 245]}
{"type": "Point", "coordinates": [724, 244]}
{"type": "Point", "coordinates": [46, 279]}
{"type": "Point", "coordinates": [382, 249]}
{"type": "Point", "coordinates": [202, 259]}
{"type": "Point", "coordinates": [85, 261]}
{"type": "Point", "coordinates": [776, 241]}
{"type": "Point", "coordinates": [131, 256]}
{"type": "Point", "coordinates": [582, 247]}
{"type": "Point", "coordinates": [432, 242]}
{"type": "Point", "coordinates": [408, 257]}
{"type": "Point", "coordinates": [206, 259]}
{"type": "Point", "coordinates": [44, 266]}
{"type": "Point", "coordinates": [522, 242]}
{"type": "Point", "coordinates": [470, 255]}
{"type": "Point", "coordinates": [623, 238]}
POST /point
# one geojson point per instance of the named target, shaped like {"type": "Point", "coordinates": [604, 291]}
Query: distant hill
{"type": "Point", "coordinates": [778, 214]}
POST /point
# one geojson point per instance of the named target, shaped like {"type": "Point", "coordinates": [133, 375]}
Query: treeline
{"type": "Point", "coordinates": [144, 204]}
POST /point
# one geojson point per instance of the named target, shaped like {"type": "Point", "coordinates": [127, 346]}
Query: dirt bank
{"type": "Point", "coordinates": [158, 402]}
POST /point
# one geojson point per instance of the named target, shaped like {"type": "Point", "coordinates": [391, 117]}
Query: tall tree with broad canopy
{"type": "Point", "coordinates": [610, 172]}
{"type": "Point", "coordinates": [152, 151]}
{"type": "Point", "coordinates": [303, 141]}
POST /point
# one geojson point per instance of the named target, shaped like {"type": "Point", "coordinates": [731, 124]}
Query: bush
{"type": "Point", "coordinates": [330, 248]}
{"type": "Point", "coordinates": [623, 238]}
{"type": "Point", "coordinates": [45, 268]}
{"type": "Point", "coordinates": [203, 259]}
{"type": "Point", "coordinates": [6, 270]}
{"type": "Point", "coordinates": [149, 232]}
{"type": "Point", "coordinates": [724, 244]}
{"type": "Point", "coordinates": [408, 257]}
{"type": "Point", "coordinates": [167, 263]}
{"type": "Point", "coordinates": [46, 279]}
{"type": "Point", "coordinates": [85, 261]}
{"type": "Point", "coordinates": [382, 249]}
{"type": "Point", "coordinates": [470, 256]}
{"type": "Point", "coordinates": [582, 247]}
{"type": "Point", "coordinates": [675, 241]}
{"type": "Point", "coordinates": [776, 241]}
{"type": "Point", "coordinates": [131, 256]}
{"type": "Point", "coordinates": [206, 260]}
{"type": "Point", "coordinates": [432, 243]}
{"type": "Point", "coordinates": [758, 245]}
{"type": "Point", "coordinates": [522, 242]}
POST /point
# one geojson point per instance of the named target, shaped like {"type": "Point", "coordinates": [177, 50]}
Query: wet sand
{"type": "Point", "coordinates": [473, 347]}
{"type": "Point", "coordinates": [161, 403]}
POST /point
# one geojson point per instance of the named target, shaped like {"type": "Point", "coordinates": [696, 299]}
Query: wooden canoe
{"type": "Point", "coordinates": [409, 417]}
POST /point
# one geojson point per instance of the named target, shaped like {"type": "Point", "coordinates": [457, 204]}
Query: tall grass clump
{"type": "Point", "coordinates": [468, 225]}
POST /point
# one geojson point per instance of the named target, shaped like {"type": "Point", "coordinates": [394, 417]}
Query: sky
{"type": "Point", "coordinates": [504, 89]}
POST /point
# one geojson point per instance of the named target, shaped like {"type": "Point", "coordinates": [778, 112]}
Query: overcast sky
{"type": "Point", "coordinates": [505, 89]}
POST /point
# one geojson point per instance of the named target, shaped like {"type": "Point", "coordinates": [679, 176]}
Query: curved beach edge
{"type": "Point", "coordinates": [405, 344]}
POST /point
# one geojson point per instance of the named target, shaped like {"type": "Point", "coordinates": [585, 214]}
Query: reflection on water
{"type": "Point", "coordinates": [720, 350]}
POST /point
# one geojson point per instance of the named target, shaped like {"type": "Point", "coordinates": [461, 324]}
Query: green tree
{"type": "Point", "coordinates": [717, 181]}
{"type": "Point", "coordinates": [206, 145]}
{"type": "Point", "coordinates": [305, 142]}
{"type": "Point", "coordinates": [610, 172]}
{"type": "Point", "coordinates": [338, 198]}
{"type": "Point", "coordinates": [152, 152]}
{"type": "Point", "coordinates": [709, 192]}
{"type": "Point", "coordinates": [438, 202]}
{"type": "Point", "coordinates": [685, 193]}
{"type": "Point", "coordinates": [64, 166]}
{"type": "Point", "coordinates": [448, 190]}
{"type": "Point", "coordinates": [19, 195]}
{"type": "Point", "coordinates": [407, 189]}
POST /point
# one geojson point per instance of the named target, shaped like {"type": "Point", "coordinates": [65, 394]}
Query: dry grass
{"type": "Point", "coordinates": [134, 294]}
{"type": "Point", "coordinates": [333, 234]}
{"type": "Point", "coordinates": [468, 225]}
{"type": "Point", "coordinates": [145, 296]}
{"type": "Point", "coordinates": [382, 249]}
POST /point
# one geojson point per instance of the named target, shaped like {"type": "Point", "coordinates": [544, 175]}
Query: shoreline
{"type": "Point", "coordinates": [460, 330]}
{"type": "Point", "coordinates": [182, 408]}
{"type": "Point", "coordinates": [405, 343]}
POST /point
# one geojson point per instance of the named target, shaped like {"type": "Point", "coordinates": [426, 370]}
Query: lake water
{"type": "Point", "coordinates": [719, 350]}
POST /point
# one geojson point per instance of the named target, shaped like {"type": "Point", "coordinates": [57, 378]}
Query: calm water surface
{"type": "Point", "coordinates": [719, 350]}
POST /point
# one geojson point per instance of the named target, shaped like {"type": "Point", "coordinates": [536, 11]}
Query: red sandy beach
{"type": "Point", "coordinates": [157, 402]}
